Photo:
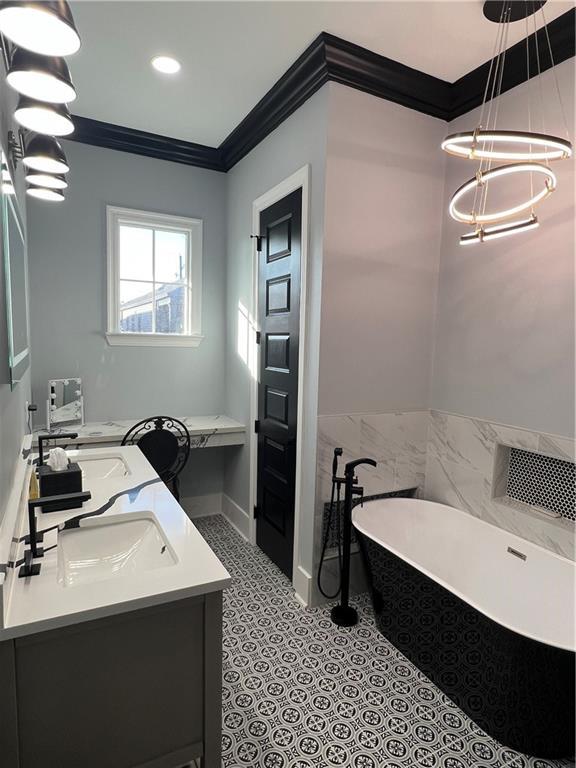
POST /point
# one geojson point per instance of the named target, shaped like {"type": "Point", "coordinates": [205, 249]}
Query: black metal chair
{"type": "Point", "coordinates": [165, 442]}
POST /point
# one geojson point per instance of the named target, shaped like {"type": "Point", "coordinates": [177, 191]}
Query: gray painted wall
{"type": "Point", "coordinates": [384, 188]}
{"type": "Point", "coordinates": [300, 140]}
{"type": "Point", "coordinates": [12, 403]}
{"type": "Point", "coordinates": [505, 330]}
{"type": "Point", "coordinates": [67, 246]}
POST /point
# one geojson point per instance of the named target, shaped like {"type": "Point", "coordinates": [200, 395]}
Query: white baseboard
{"type": "Point", "coordinates": [202, 506]}
{"type": "Point", "coordinates": [302, 583]}
{"type": "Point", "coordinates": [236, 516]}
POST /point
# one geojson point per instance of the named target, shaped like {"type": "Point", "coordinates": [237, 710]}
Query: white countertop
{"type": "Point", "coordinates": [40, 602]}
{"type": "Point", "coordinates": [205, 431]}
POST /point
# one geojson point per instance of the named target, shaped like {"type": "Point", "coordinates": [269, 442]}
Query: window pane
{"type": "Point", "coordinates": [135, 253]}
{"type": "Point", "coordinates": [136, 306]}
{"type": "Point", "coordinates": [171, 308]}
{"type": "Point", "coordinates": [170, 256]}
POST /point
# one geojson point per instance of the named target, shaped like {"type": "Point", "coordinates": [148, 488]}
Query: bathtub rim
{"type": "Point", "coordinates": [358, 511]}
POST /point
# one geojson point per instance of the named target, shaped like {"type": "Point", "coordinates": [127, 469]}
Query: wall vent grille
{"type": "Point", "coordinates": [542, 481]}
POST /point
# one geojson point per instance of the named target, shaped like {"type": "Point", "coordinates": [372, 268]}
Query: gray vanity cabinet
{"type": "Point", "coordinates": [136, 690]}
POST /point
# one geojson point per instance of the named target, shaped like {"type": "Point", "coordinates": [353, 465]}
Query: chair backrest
{"type": "Point", "coordinates": [164, 441]}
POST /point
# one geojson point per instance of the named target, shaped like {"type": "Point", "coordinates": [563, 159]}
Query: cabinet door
{"type": "Point", "coordinates": [117, 692]}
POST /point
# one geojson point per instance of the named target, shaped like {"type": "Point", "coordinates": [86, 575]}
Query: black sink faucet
{"type": "Point", "coordinates": [51, 436]}
{"type": "Point", "coordinates": [34, 538]}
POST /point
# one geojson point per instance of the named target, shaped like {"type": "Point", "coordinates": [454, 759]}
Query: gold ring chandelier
{"type": "Point", "coordinates": [526, 152]}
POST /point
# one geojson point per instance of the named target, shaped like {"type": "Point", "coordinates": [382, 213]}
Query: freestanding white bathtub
{"type": "Point", "coordinates": [488, 616]}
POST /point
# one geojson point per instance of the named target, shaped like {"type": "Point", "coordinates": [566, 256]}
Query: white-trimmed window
{"type": "Point", "coordinates": [154, 279]}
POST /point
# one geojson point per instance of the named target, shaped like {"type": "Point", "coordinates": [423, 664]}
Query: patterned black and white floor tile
{"type": "Point", "coordinates": [301, 693]}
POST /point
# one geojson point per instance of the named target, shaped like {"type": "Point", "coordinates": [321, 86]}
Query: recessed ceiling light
{"type": "Point", "coordinates": [166, 64]}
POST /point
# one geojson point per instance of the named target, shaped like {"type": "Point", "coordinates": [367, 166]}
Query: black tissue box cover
{"type": "Point", "coordinates": [57, 483]}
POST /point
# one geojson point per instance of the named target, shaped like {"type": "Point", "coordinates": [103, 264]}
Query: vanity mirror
{"type": "Point", "coordinates": [15, 279]}
{"type": "Point", "coordinates": [65, 405]}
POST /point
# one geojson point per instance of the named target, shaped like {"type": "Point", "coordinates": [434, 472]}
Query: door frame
{"type": "Point", "coordinates": [298, 180]}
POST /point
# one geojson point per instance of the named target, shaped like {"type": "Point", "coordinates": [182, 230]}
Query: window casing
{"type": "Point", "coordinates": [154, 279]}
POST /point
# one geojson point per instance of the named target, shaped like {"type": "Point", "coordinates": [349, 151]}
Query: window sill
{"type": "Point", "coordinates": [153, 340]}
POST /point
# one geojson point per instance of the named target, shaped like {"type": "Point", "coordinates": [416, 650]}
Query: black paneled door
{"type": "Point", "coordinates": [279, 321]}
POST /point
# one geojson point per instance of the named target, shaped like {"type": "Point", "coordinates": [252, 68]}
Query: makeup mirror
{"type": "Point", "coordinates": [65, 405]}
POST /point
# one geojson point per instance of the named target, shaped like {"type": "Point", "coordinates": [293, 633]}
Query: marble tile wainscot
{"type": "Point", "coordinates": [395, 439]}
{"type": "Point", "coordinates": [462, 470]}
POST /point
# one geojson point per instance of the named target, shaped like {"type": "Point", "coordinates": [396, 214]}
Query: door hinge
{"type": "Point", "coordinates": [255, 511]}
{"type": "Point", "coordinates": [258, 239]}
{"type": "Point", "coordinates": [258, 337]}
{"type": "Point", "coordinates": [257, 426]}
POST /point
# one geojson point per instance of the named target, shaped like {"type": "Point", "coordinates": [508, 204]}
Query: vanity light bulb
{"type": "Point", "coordinates": [41, 193]}
{"type": "Point", "coordinates": [40, 77]}
{"type": "Point", "coordinates": [44, 154]}
{"type": "Point", "coordinates": [47, 180]}
{"type": "Point", "coordinates": [51, 119]}
{"type": "Point", "coordinates": [45, 27]}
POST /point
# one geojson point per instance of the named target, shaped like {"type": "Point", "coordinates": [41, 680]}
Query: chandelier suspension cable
{"type": "Point", "coordinates": [558, 93]}
{"type": "Point", "coordinates": [529, 105]}
{"type": "Point", "coordinates": [496, 100]}
{"type": "Point", "coordinates": [495, 59]}
{"type": "Point", "coordinates": [492, 75]}
{"type": "Point", "coordinates": [539, 73]}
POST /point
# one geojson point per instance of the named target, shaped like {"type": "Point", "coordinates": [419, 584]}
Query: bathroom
{"type": "Point", "coordinates": [280, 173]}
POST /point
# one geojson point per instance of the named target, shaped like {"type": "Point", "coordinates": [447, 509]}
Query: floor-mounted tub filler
{"type": "Point", "coordinates": [486, 615]}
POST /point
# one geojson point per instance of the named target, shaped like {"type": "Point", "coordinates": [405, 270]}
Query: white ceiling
{"type": "Point", "coordinates": [233, 52]}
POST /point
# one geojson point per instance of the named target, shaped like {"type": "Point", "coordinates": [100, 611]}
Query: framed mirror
{"type": "Point", "coordinates": [65, 404]}
{"type": "Point", "coordinates": [16, 280]}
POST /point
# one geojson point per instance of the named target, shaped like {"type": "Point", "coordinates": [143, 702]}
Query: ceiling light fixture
{"type": "Point", "coordinates": [41, 193]}
{"type": "Point", "coordinates": [483, 234]}
{"type": "Point", "coordinates": [47, 180]}
{"type": "Point", "coordinates": [44, 154]}
{"type": "Point", "coordinates": [46, 78]}
{"type": "Point", "coordinates": [166, 64]}
{"type": "Point", "coordinates": [39, 116]}
{"type": "Point", "coordinates": [482, 179]}
{"type": "Point", "coordinates": [525, 150]}
{"type": "Point", "coordinates": [43, 26]}
{"type": "Point", "coordinates": [475, 145]}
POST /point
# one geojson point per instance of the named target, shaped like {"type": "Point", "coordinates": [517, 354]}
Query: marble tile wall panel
{"type": "Point", "coordinates": [396, 440]}
{"type": "Point", "coordinates": [461, 470]}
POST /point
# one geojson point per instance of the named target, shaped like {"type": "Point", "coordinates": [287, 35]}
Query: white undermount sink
{"type": "Point", "coordinates": [102, 467]}
{"type": "Point", "coordinates": [111, 548]}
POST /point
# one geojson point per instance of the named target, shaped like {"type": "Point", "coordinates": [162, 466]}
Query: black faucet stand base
{"type": "Point", "coordinates": [344, 615]}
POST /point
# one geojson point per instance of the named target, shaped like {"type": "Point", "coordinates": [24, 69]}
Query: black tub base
{"type": "Point", "coordinates": [520, 691]}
